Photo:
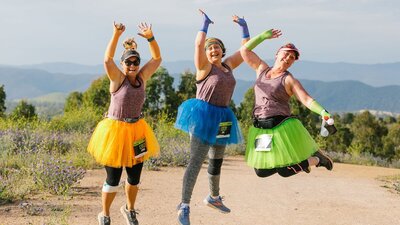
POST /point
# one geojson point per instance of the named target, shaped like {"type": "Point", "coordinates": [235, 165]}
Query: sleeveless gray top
{"type": "Point", "coordinates": [217, 88]}
{"type": "Point", "coordinates": [271, 98]}
{"type": "Point", "coordinates": [127, 101]}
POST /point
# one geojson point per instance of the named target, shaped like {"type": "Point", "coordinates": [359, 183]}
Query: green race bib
{"type": "Point", "coordinates": [139, 147]}
{"type": "Point", "coordinates": [224, 130]}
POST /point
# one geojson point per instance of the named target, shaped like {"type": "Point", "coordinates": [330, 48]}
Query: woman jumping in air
{"type": "Point", "coordinates": [208, 118]}
{"type": "Point", "coordinates": [278, 142]}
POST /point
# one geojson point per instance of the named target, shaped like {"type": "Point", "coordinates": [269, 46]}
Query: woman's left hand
{"type": "Point", "coordinates": [145, 30]}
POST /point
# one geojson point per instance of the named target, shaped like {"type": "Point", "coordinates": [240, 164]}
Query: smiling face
{"type": "Point", "coordinates": [214, 53]}
{"type": "Point", "coordinates": [285, 58]}
{"type": "Point", "coordinates": [131, 66]}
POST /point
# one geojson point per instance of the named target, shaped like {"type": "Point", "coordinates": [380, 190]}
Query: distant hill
{"type": "Point", "coordinates": [335, 92]}
{"type": "Point", "coordinates": [31, 83]}
{"type": "Point", "coordinates": [375, 75]}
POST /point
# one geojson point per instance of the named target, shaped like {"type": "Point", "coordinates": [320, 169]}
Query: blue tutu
{"type": "Point", "coordinates": [203, 120]}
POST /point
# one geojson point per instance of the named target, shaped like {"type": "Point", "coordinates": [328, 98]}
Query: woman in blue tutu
{"type": "Point", "coordinates": [208, 119]}
{"type": "Point", "coordinates": [278, 142]}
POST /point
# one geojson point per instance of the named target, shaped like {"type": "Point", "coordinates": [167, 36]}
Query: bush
{"type": "Point", "coordinates": [14, 184]}
{"type": "Point", "coordinates": [83, 120]}
{"type": "Point", "coordinates": [56, 176]}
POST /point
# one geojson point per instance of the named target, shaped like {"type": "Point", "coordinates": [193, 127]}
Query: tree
{"type": "Point", "coordinates": [347, 118]}
{"type": "Point", "coordinates": [308, 118]}
{"type": "Point", "coordinates": [391, 146]}
{"type": "Point", "coordinates": [23, 110]}
{"type": "Point", "coordinates": [341, 140]}
{"type": "Point", "coordinates": [74, 101]}
{"type": "Point", "coordinates": [160, 94]}
{"type": "Point", "coordinates": [2, 101]}
{"type": "Point", "coordinates": [368, 133]}
{"type": "Point", "coordinates": [97, 96]}
{"type": "Point", "coordinates": [187, 86]}
{"type": "Point", "coordinates": [245, 109]}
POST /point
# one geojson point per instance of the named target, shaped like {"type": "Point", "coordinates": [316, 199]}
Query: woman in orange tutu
{"type": "Point", "coordinates": [124, 139]}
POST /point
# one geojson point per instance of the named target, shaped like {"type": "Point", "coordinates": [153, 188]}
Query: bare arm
{"type": "Point", "coordinates": [151, 66]}
{"type": "Point", "coordinates": [113, 72]}
{"type": "Point", "coordinates": [203, 66]}
{"type": "Point", "coordinates": [301, 94]}
{"type": "Point", "coordinates": [236, 59]}
{"type": "Point", "coordinates": [251, 58]}
{"type": "Point", "coordinates": [295, 88]}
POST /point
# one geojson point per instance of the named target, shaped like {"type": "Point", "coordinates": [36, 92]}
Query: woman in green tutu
{"type": "Point", "coordinates": [278, 142]}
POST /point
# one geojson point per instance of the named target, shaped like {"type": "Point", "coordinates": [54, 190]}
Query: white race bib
{"type": "Point", "coordinates": [263, 143]}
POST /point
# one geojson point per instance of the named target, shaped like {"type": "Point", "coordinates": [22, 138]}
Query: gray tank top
{"type": "Point", "coordinates": [271, 98]}
{"type": "Point", "coordinates": [217, 88]}
{"type": "Point", "coordinates": [127, 101]}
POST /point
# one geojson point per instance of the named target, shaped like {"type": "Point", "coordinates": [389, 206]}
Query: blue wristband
{"type": "Point", "coordinates": [206, 22]}
{"type": "Point", "coordinates": [245, 29]}
{"type": "Point", "coordinates": [245, 32]}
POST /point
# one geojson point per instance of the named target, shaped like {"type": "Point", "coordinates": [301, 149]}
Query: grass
{"type": "Point", "coordinates": [391, 182]}
{"type": "Point", "coordinates": [25, 146]}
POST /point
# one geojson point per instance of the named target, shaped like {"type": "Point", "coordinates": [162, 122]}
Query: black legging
{"type": "Point", "coordinates": [114, 174]}
{"type": "Point", "coordinates": [283, 171]}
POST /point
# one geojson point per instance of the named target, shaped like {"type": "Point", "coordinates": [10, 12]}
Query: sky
{"type": "Point", "coordinates": [77, 31]}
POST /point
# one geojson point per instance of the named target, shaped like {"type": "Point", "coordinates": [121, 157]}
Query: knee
{"type": "Point", "coordinates": [265, 172]}
{"type": "Point", "coordinates": [214, 166]}
{"type": "Point", "coordinates": [287, 171]}
{"type": "Point", "coordinates": [133, 180]}
{"type": "Point", "coordinates": [112, 181]}
{"type": "Point", "coordinates": [134, 174]}
{"type": "Point", "coordinates": [109, 188]}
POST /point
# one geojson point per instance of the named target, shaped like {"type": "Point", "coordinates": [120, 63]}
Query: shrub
{"type": "Point", "coordinates": [56, 176]}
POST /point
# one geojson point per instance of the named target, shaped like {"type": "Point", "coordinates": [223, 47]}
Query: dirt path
{"type": "Point", "coordinates": [347, 195]}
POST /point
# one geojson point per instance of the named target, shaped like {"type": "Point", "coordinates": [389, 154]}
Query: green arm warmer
{"type": "Point", "coordinates": [317, 108]}
{"type": "Point", "coordinates": [252, 43]}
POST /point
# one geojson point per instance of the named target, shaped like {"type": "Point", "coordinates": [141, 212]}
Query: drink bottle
{"type": "Point", "coordinates": [327, 127]}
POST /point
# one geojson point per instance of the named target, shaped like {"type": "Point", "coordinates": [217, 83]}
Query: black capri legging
{"type": "Point", "coordinates": [284, 171]}
{"type": "Point", "coordinates": [114, 174]}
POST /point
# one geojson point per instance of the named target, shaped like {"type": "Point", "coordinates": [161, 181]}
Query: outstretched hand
{"type": "Point", "coordinates": [239, 20]}
{"type": "Point", "coordinates": [206, 19]}
{"type": "Point", "coordinates": [145, 30]}
{"type": "Point", "coordinates": [119, 28]}
{"type": "Point", "coordinates": [273, 34]}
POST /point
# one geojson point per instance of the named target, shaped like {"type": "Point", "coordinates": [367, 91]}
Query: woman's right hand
{"type": "Point", "coordinates": [119, 28]}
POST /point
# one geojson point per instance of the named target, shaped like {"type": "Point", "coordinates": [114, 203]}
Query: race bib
{"type": "Point", "coordinates": [224, 130]}
{"type": "Point", "coordinates": [263, 143]}
{"type": "Point", "coordinates": [139, 147]}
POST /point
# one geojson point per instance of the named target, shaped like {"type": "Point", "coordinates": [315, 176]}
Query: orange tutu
{"type": "Point", "coordinates": [112, 142]}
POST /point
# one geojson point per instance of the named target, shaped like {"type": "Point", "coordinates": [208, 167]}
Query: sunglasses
{"type": "Point", "coordinates": [130, 63]}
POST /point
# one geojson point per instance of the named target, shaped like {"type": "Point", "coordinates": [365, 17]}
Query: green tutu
{"type": "Point", "coordinates": [291, 143]}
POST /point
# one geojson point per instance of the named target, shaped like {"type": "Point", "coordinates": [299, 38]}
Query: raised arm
{"type": "Point", "coordinates": [236, 59]}
{"type": "Point", "coordinates": [151, 66]}
{"type": "Point", "coordinates": [201, 63]}
{"type": "Point", "coordinates": [251, 58]}
{"type": "Point", "coordinates": [113, 72]}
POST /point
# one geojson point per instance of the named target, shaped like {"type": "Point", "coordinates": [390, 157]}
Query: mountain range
{"type": "Point", "coordinates": [338, 86]}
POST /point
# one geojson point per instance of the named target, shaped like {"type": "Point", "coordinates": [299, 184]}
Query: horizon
{"type": "Point", "coordinates": [182, 60]}
{"type": "Point", "coordinates": [357, 32]}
